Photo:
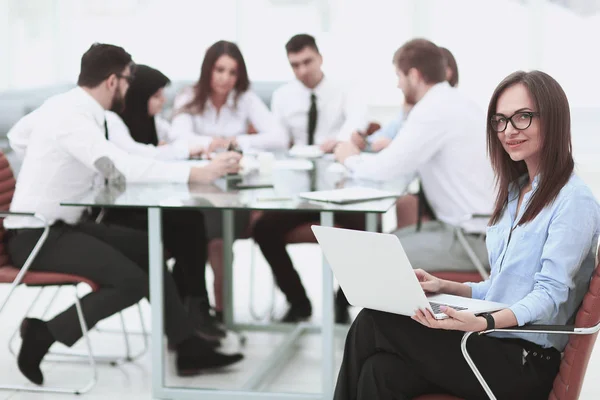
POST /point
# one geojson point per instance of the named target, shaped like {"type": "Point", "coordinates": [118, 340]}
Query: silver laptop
{"type": "Point", "coordinates": [374, 272]}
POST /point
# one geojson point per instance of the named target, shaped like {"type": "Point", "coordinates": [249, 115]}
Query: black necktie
{"type": "Point", "coordinates": [105, 129]}
{"type": "Point", "coordinates": [106, 136]}
{"type": "Point", "coordinates": [312, 119]}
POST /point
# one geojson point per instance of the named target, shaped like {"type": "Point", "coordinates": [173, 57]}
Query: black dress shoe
{"type": "Point", "coordinates": [297, 314]}
{"type": "Point", "coordinates": [194, 355]}
{"type": "Point", "coordinates": [205, 324]}
{"type": "Point", "coordinates": [37, 340]}
{"type": "Point", "coordinates": [213, 344]}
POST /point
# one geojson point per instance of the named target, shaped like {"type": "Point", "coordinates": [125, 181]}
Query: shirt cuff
{"type": "Point", "coordinates": [352, 162]}
{"type": "Point", "coordinates": [244, 141]}
{"type": "Point", "coordinates": [181, 149]}
{"type": "Point", "coordinates": [199, 140]}
{"type": "Point", "coordinates": [178, 173]}
{"type": "Point", "coordinates": [476, 290]}
{"type": "Point", "coordinates": [521, 313]}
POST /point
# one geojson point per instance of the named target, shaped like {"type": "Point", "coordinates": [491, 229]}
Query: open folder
{"type": "Point", "coordinates": [347, 195]}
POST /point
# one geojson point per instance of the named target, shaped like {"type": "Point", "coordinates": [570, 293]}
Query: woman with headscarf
{"type": "Point", "coordinates": [139, 130]}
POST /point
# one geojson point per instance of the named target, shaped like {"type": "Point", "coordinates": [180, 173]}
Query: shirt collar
{"type": "Point", "coordinates": [438, 87]}
{"type": "Point", "coordinates": [91, 104]}
{"type": "Point", "coordinates": [317, 90]}
{"type": "Point", "coordinates": [229, 103]}
{"type": "Point", "coordinates": [515, 187]}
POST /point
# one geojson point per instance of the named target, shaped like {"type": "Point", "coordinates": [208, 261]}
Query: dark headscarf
{"type": "Point", "coordinates": [146, 82]}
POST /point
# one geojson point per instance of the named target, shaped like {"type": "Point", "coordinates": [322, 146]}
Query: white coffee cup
{"type": "Point", "coordinates": [266, 162]}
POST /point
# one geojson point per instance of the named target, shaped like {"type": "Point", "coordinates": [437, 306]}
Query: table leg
{"type": "Point", "coordinates": [228, 238]}
{"type": "Point", "coordinates": [328, 320]}
{"type": "Point", "coordinates": [155, 250]}
{"type": "Point", "coordinates": [371, 222]}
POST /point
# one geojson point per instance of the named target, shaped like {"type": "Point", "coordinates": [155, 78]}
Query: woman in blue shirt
{"type": "Point", "coordinates": [541, 243]}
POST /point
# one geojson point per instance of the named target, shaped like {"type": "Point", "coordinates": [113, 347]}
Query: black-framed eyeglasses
{"type": "Point", "coordinates": [520, 120]}
{"type": "Point", "coordinates": [128, 78]}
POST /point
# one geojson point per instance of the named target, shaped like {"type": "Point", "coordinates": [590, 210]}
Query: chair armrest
{"type": "Point", "coordinates": [37, 216]}
{"type": "Point", "coordinates": [549, 329]}
{"type": "Point", "coordinates": [19, 214]}
{"type": "Point", "coordinates": [481, 215]}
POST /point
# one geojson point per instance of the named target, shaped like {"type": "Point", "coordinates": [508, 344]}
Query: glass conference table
{"type": "Point", "coordinates": [276, 191]}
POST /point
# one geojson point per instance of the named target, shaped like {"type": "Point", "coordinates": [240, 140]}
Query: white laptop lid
{"type": "Point", "coordinates": [372, 269]}
{"type": "Point", "coordinates": [374, 272]}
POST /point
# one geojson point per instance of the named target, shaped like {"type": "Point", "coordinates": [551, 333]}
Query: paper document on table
{"type": "Point", "coordinates": [348, 195]}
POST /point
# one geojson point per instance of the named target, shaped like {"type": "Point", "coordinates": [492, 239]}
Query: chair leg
{"type": "Point", "coordinates": [126, 334]}
{"type": "Point", "coordinates": [125, 337]}
{"type": "Point", "coordinates": [471, 253]}
{"type": "Point", "coordinates": [469, 360]}
{"type": "Point", "coordinates": [92, 363]}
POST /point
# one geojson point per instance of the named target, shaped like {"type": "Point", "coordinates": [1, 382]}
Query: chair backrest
{"type": "Point", "coordinates": [568, 382]}
{"type": "Point", "coordinates": [7, 189]}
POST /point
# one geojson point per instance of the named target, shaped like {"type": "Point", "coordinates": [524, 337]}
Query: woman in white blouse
{"type": "Point", "coordinates": [218, 110]}
{"type": "Point", "coordinates": [139, 129]}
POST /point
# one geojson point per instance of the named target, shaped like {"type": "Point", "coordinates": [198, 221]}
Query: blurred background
{"type": "Point", "coordinates": [41, 42]}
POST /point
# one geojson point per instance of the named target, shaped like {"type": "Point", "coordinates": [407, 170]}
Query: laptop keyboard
{"type": "Point", "coordinates": [436, 307]}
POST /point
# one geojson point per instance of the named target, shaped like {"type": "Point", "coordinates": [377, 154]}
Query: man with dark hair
{"type": "Point", "coordinates": [442, 142]}
{"type": "Point", "coordinates": [300, 41]}
{"type": "Point", "coordinates": [315, 110]}
{"type": "Point", "coordinates": [66, 154]}
{"type": "Point", "coordinates": [102, 60]}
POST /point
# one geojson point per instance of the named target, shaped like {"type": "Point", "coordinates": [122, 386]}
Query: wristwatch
{"type": "Point", "coordinates": [491, 323]}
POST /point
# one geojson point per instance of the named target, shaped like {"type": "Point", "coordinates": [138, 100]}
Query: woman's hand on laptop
{"type": "Point", "coordinates": [429, 283]}
{"type": "Point", "coordinates": [457, 320]}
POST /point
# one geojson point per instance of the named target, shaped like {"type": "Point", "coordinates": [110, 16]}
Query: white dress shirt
{"type": "Point", "coordinates": [118, 133]}
{"type": "Point", "coordinates": [443, 141]}
{"type": "Point", "coordinates": [65, 150]}
{"type": "Point", "coordinates": [339, 112]}
{"type": "Point", "coordinates": [230, 121]}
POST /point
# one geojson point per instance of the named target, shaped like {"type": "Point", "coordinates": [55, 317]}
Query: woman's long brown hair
{"type": "Point", "coordinates": [202, 88]}
{"type": "Point", "coordinates": [556, 158]}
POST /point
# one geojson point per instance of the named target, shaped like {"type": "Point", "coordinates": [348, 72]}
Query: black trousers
{"type": "Point", "coordinates": [388, 356]}
{"type": "Point", "coordinates": [270, 231]}
{"type": "Point", "coordinates": [184, 235]}
{"type": "Point", "coordinates": [114, 257]}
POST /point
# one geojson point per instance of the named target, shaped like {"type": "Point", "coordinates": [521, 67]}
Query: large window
{"type": "Point", "coordinates": [41, 41]}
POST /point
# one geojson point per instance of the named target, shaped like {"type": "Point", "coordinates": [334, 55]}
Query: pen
{"type": "Point", "coordinates": [231, 147]}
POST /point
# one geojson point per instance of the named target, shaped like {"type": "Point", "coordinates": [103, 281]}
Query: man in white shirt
{"type": "Point", "coordinates": [66, 152]}
{"type": "Point", "coordinates": [442, 142]}
{"type": "Point", "coordinates": [314, 111]}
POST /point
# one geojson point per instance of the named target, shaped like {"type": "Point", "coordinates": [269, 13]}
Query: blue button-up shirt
{"type": "Point", "coordinates": [542, 270]}
{"type": "Point", "coordinates": [388, 131]}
